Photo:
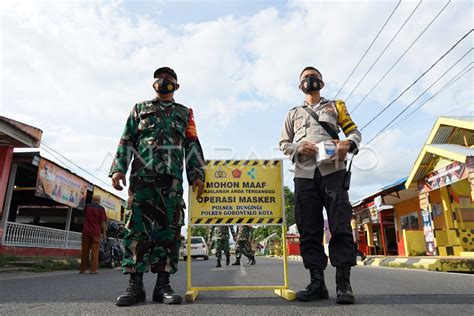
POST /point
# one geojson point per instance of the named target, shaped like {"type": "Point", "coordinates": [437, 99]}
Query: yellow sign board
{"type": "Point", "coordinates": [110, 202]}
{"type": "Point", "coordinates": [240, 192]}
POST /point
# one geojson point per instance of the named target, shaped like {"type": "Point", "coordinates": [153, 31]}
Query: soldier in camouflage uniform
{"type": "Point", "coordinates": [244, 245]}
{"type": "Point", "coordinates": [159, 135]}
{"type": "Point", "coordinates": [222, 242]}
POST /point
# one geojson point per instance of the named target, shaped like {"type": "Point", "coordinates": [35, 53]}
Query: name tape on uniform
{"type": "Point", "coordinates": [240, 192]}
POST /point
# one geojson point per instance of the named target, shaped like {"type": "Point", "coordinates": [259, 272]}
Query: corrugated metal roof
{"type": "Point", "coordinates": [448, 130]}
{"type": "Point", "coordinates": [395, 184]}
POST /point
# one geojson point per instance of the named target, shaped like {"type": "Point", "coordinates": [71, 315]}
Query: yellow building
{"type": "Point", "coordinates": [443, 174]}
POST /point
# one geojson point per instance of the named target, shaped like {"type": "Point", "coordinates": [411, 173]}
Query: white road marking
{"type": "Point", "coordinates": [243, 272]}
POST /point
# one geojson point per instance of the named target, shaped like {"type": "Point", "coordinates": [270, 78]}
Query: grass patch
{"type": "Point", "coordinates": [6, 259]}
{"type": "Point", "coordinates": [45, 265]}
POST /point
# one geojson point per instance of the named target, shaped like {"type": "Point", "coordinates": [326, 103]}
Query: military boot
{"type": "Point", "coordinates": [252, 261]}
{"type": "Point", "coordinates": [227, 261]}
{"type": "Point", "coordinates": [316, 290]}
{"type": "Point", "coordinates": [218, 265]}
{"type": "Point", "coordinates": [343, 286]}
{"type": "Point", "coordinates": [135, 293]}
{"type": "Point", "coordinates": [237, 262]}
{"type": "Point", "coordinates": [163, 293]}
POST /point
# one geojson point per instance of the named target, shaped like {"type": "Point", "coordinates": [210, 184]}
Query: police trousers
{"type": "Point", "coordinates": [311, 195]}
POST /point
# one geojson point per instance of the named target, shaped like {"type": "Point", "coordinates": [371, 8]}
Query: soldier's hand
{"type": "Point", "coordinates": [116, 177]}
{"type": "Point", "coordinates": [307, 148]}
{"type": "Point", "coordinates": [199, 185]}
{"type": "Point", "coordinates": [342, 148]}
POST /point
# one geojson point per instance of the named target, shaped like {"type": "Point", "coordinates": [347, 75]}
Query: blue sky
{"type": "Point", "coordinates": [75, 69]}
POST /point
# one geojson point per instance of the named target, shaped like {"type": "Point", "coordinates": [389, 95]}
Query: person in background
{"type": "Point", "coordinates": [95, 227]}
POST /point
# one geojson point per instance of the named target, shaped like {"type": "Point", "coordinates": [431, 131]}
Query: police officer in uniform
{"type": "Point", "coordinates": [159, 135]}
{"type": "Point", "coordinates": [320, 184]}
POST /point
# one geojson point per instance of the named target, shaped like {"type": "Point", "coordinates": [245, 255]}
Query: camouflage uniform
{"type": "Point", "coordinates": [222, 242]}
{"type": "Point", "coordinates": [244, 246]}
{"type": "Point", "coordinates": [159, 136]}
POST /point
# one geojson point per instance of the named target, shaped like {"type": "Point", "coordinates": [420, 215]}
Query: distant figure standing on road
{"type": "Point", "coordinates": [94, 228]}
{"type": "Point", "coordinates": [244, 245]}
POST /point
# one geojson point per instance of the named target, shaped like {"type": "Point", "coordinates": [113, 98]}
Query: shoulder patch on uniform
{"type": "Point", "coordinates": [344, 119]}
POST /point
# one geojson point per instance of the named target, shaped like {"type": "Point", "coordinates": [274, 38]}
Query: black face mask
{"type": "Point", "coordinates": [311, 84]}
{"type": "Point", "coordinates": [165, 86]}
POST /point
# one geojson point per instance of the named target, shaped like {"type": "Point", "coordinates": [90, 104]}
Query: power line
{"type": "Point", "coordinates": [417, 98]}
{"type": "Point", "coordinates": [46, 147]}
{"type": "Point", "coordinates": [367, 50]}
{"type": "Point", "coordinates": [457, 77]}
{"type": "Point", "coordinates": [400, 58]}
{"type": "Point", "coordinates": [414, 82]}
{"type": "Point", "coordinates": [383, 51]}
{"type": "Point", "coordinates": [456, 109]}
{"type": "Point", "coordinates": [419, 107]}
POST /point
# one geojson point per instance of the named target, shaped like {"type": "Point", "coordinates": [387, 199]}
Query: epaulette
{"type": "Point", "coordinates": [184, 106]}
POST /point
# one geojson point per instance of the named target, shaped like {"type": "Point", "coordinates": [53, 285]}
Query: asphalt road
{"type": "Point", "coordinates": [379, 291]}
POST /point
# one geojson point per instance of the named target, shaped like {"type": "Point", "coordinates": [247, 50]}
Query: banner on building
{"type": "Point", "coordinates": [55, 183]}
{"type": "Point", "coordinates": [240, 192]}
{"type": "Point", "coordinates": [110, 202]}
{"type": "Point", "coordinates": [470, 171]}
{"type": "Point", "coordinates": [447, 175]}
{"type": "Point", "coordinates": [427, 225]}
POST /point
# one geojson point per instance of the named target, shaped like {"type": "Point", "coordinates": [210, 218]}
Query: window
{"type": "Point", "coordinates": [197, 241]}
{"type": "Point", "coordinates": [410, 221]}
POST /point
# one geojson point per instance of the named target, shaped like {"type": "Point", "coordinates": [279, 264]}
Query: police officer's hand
{"type": "Point", "coordinates": [116, 177]}
{"type": "Point", "coordinates": [200, 187]}
{"type": "Point", "coordinates": [342, 148]}
{"type": "Point", "coordinates": [307, 148]}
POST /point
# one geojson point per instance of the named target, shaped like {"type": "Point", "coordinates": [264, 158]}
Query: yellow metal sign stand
{"type": "Point", "coordinates": [282, 291]}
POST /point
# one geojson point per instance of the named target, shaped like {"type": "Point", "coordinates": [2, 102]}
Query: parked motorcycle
{"type": "Point", "coordinates": [110, 249]}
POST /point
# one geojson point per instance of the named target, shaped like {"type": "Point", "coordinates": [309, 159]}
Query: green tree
{"type": "Point", "coordinates": [262, 232]}
{"type": "Point", "coordinates": [289, 206]}
{"type": "Point", "coordinates": [200, 231]}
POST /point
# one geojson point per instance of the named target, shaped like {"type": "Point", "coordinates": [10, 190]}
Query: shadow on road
{"type": "Point", "coordinates": [401, 299]}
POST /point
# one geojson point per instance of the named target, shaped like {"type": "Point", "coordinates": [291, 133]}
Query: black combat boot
{"type": "Point", "coordinates": [135, 292]}
{"type": "Point", "coordinates": [252, 261]}
{"type": "Point", "coordinates": [343, 286]}
{"type": "Point", "coordinates": [163, 293]}
{"type": "Point", "coordinates": [227, 261]}
{"type": "Point", "coordinates": [237, 262]}
{"type": "Point", "coordinates": [218, 265]}
{"type": "Point", "coordinates": [316, 290]}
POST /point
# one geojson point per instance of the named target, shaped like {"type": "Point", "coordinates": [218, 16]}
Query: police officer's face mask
{"type": "Point", "coordinates": [311, 84]}
{"type": "Point", "coordinates": [164, 86]}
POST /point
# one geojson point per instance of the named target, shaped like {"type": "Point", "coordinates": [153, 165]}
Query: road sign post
{"type": "Point", "coordinates": [239, 192]}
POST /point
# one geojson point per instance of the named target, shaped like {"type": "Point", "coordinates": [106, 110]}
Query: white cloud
{"type": "Point", "coordinates": [75, 69]}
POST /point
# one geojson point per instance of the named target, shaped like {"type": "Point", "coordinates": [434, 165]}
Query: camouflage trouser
{"type": "Point", "coordinates": [222, 245]}
{"type": "Point", "coordinates": [243, 247]}
{"type": "Point", "coordinates": [153, 227]}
